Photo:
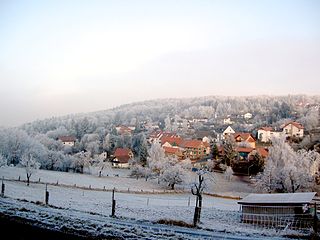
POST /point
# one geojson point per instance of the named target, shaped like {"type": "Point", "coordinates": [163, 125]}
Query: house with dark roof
{"type": "Point", "coordinates": [68, 140]}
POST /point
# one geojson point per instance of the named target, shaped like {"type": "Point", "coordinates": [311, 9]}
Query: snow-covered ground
{"type": "Point", "coordinates": [119, 179]}
{"type": "Point", "coordinates": [218, 214]}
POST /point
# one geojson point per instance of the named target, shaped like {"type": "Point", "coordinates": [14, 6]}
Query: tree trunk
{"type": "Point", "coordinates": [196, 216]}
{"type": "Point", "coordinates": [200, 207]}
{"type": "Point", "coordinates": [28, 179]}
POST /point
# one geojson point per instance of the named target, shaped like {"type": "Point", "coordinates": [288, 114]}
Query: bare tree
{"type": "Point", "coordinates": [197, 190]}
{"type": "Point", "coordinates": [30, 165]}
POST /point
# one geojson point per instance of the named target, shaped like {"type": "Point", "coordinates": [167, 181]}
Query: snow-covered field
{"type": "Point", "coordinates": [218, 214]}
{"type": "Point", "coordinates": [119, 179]}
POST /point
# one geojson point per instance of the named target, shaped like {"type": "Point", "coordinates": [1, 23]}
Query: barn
{"type": "Point", "coordinates": [279, 209]}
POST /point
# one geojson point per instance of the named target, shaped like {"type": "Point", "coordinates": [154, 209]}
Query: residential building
{"type": "Point", "coordinates": [227, 121]}
{"type": "Point", "coordinates": [125, 130]}
{"type": "Point", "coordinates": [244, 140]}
{"type": "Point", "coordinates": [173, 151]}
{"type": "Point", "coordinates": [266, 133]}
{"type": "Point", "coordinates": [68, 140]}
{"type": "Point", "coordinates": [171, 140]}
{"type": "Point", "coordinates": [122, 157]}
{"type": "Point", "coordinates": [247, 116]}
{"type": "Point", "coordinates": [195, 149]}
{"type": "Point", "coordinates": [228, 131]}
{"type": "Point", "coordinates": [293, 129]}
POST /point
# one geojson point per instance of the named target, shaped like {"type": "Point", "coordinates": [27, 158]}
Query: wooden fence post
{"type": "Point", "coordinates": [46, 195]}
{"type": "Point", "coordinates": [113, 207]}
{"type": "Point", "coordinates": [2, 188]}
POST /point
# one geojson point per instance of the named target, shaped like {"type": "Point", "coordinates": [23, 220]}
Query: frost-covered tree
{"type": "Point", "coordinates": [230, 153]}
{"type": "Point", "coordinates": [14, 143]}
{"type": "Point", "coordinates": [103, 164]}
{"type": "Point", "coordinates": [81, 160]}
{"type": "Point", "coordinates": [215, 151]}
{"type": "Point", "coordinates": [310, 120]}
{"type": "Point", "coordinates": [49, 143]}
{"type": "Point", "coordinates": [137, 170]}
{"type": "Point", "coordinates": [90, 143]}
{"type": "Point", "coordinates": [3, 161]}
{"type": "Point", "coordinates": [175, 172]}
{"type": "Point", "coordinates": [29, 163]}
{"type": "Point", "coordinates": [62, 162]}
{"type": "Point", "coordinates": [157, 161]}
{"type": "Point", "coordinates": [168, 125]}
{"type": "Point", "coordinates": [228, 173]}
{"type": "Point", "coordinates": [55, 134]}
{"type": "Point", "coordinates": [287, 170]}
{"type": "Point", "coordinates": [140, 148]}
{"type": "Point", "coordinates": [107, 143]}
{"type": "Point", "coordinates": [210, 165]}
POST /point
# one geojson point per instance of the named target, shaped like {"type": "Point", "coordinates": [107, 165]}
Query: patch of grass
{"type": "Point", "coordinates": [175, 223]}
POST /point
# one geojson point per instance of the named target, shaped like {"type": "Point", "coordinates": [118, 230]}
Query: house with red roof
{"type": "Point", "coordinates": [293, 129]}
{"type": "Point", "coordinates": [173, 151]}
{"type": "Point", "coordinates": [195, 149]}
{"type": "Point", "coordinates": [171, 141]}
{"type": "Point", "coordinates": [122, 157]}
{"type": "Point", "coordinates": [244, 139]}
{"type": "Point", "coordinates": [155, 137]}
{"type": "Point", "coordinates": [175, 145]}
{"type": "Point", "coordinates": [122, 130]}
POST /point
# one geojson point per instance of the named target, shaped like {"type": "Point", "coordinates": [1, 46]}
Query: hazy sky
{"type": "Point", "coordinates": [59, 57]}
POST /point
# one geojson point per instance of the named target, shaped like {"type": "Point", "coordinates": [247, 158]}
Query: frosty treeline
{"type": "Point", "coordinates": [96, 133]}
{"type": "Point", "coordinates": [267, 110]}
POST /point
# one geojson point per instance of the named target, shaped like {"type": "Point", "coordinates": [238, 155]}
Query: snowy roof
{"type": "Point", "coordinates": [283, 198]}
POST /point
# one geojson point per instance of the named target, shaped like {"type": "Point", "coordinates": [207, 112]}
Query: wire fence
{"type": "Point", "coordinates": [294, 217]}
{"type": "Point", "coordinates": [89, 199]}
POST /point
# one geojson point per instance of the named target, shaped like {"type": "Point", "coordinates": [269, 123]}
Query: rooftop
{"type": "Point", "coordinates": [279, 198]}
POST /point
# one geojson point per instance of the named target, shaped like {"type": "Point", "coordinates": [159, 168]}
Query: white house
{"type": "Point", "coordinates": [266, 133]}
{"type": "Point", "coordinates": [247, 115]}
{"type": "Point", "coordinates": [206, 139]}
{"type": "Point", "coordinates": [227, 121]}
{"type": "Point", "coordinates": [293, 129]}
{"type": "Point", "coordinates": [228, 131]}
{"type": "Point", "coordinates": [68, 140]}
